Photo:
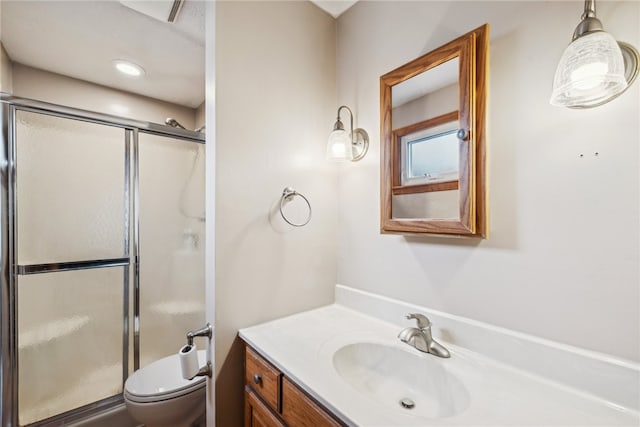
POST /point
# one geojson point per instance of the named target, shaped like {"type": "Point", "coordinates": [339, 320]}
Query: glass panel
{"type": "Point", "coordinates": [70, 189]}
{"type": "Point", "coordinates": [69, 340]}
{"type": "Point", "coordinates": [426, 95]}
{"type": "Point", "coordinates": [171, 194]}
{"type": "Point", "coordinates": [435, 204]}
{"type": "Point", "coordinates": [429, 153]}
{"type": "Point", "coordinates": [433, 158]}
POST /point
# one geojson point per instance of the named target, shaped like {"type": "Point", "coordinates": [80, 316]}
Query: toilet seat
{"type": "Point", "coordinates": [162, 380]}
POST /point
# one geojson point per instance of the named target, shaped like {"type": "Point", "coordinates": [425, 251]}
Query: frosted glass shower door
{"type": "Point", "coordinates": [70, 189]}
{"type": "Point", "coordinates": [70, 341]}
{"type": "Point", "coordinates": [71, 215]}
{"type": "Point", "coordinates": [171, 187]}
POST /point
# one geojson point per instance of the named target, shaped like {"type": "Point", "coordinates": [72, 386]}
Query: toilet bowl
{"type": "Point", "coordinates": [157, 395]}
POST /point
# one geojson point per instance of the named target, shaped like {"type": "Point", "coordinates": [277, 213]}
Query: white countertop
{"type": "Point", "coordinates": [302, 347]}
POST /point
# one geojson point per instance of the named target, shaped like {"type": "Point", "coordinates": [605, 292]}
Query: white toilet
{"type": "Point", "coordinates": [157, 395]}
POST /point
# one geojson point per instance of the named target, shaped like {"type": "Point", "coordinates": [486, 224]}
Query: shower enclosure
{"type": "Point", "coordinates": [102, 255]}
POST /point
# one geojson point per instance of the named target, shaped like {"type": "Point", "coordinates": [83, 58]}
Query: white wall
{"type": "Point", "coordinates": [6, 78]}
{"type": "Point", "coordinates": [200, 116]}
{"type": "Point", "coordinates": [5, 64]}
{"type": "Point", "coordinates": [275, 96]}
{"type": "Point", "coordinates": [562, 258]}
{"type": "Point", "coordinates": [42, 85]}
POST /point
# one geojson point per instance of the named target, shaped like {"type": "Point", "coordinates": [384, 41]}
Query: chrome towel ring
{"type": "Point", "coordinates": [287, 195]}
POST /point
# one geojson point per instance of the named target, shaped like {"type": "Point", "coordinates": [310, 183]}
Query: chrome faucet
{"type": "Point", "coordinates": [421, 338]}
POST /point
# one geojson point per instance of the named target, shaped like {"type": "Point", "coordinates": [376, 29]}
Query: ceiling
{"type": "Point", "coordinates": [334, 7]}
{"type": "Point", "coordinates": [80, 39]}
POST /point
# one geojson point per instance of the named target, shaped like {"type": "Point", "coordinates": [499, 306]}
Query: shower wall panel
{"type": "Point", "coordinates": [171, 187]}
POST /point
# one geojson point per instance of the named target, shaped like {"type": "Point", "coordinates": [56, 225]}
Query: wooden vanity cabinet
{"type": "Point", "coordinates": [298, 409]}
{"type": "Point", "coordinates": [256, 413]}
{"type": "Point", "coordinates": [273, 400]}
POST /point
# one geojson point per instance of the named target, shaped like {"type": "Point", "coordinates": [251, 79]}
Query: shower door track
{"type": "Point", "coordinates": [10, 270]}
{"type": "Point", "coordinates": [100, 118]}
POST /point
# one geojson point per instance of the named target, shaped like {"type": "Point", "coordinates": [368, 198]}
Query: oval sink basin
{"type": "Point", "coordinates": [414, 384]}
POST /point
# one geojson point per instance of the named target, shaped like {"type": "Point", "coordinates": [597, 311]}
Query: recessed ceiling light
{"type": "Point", "coordinates": [128, 68]}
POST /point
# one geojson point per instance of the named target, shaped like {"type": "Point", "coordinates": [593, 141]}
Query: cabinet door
{"type": "Point", "coordinates": [300, 411]}
{"type": "Point", "coordinates": [256, 413]}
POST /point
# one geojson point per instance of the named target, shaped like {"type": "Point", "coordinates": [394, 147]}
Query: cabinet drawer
{"type": "Point", "coordinates": [263, 378]}
{"type": "Point", "coordinates": [300, 411]}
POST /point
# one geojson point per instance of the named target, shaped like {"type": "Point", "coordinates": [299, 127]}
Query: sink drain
{"type": "Point", "coordinates": [407, 403]}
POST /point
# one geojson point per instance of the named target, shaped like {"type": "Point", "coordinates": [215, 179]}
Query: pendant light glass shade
{"type": "Point", "coordinates": [339, 146]}
{"type": "Point", "coordinates": [590, 72]}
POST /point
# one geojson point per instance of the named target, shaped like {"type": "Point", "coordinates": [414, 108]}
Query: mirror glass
{"type": "Point", "coordinates": [427, 95]}
{"type": "Point", "coordinates": [424, 125]}
{"type": "Point", "coordinates": [432, 114]}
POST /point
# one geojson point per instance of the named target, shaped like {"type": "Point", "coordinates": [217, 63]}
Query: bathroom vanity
{"type": "Point", "coordinates": [343, 364]}
{"type": "Point", "coordinates": [274, 400]}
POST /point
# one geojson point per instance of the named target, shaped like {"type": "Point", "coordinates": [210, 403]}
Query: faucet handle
{"type": "Point", "coordinates": [421, 319]}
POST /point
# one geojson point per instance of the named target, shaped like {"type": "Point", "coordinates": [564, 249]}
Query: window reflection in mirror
{"type": "Point", "coordinates": [429, 162]}
{"type": "Point", "coordinates": [432, 158]}
{"type": "Point", "coordinates": [429, 153]}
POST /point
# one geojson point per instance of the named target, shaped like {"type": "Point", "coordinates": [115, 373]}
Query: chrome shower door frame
{"type": "Point", "coordinates": [8, 248]}
{"type": "Point", "coordinates": [8, 336]}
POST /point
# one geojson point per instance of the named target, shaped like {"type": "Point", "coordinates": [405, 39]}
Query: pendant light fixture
{"type": "Point", "coordinates": [594, 68]}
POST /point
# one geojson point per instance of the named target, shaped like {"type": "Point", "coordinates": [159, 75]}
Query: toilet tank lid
{"type": "Point", "coordinates": [161, 377]}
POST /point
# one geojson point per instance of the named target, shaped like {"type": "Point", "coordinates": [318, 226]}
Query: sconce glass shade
{"type": "Point", "coordinates": [339, 146]}
{"type": "Point", "coordinates": [591, 71]}
{"type": "Point", "coordinates": [343, 145]}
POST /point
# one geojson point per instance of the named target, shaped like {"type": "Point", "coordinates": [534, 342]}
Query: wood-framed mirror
{"type": "Point", "coordinates": [432, 114]}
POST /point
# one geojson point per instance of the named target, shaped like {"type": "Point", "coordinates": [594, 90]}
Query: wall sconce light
{"type": "Point", "coordinates": [594, 68]}
{"type": "Point", "coordinates": [347, 146]}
